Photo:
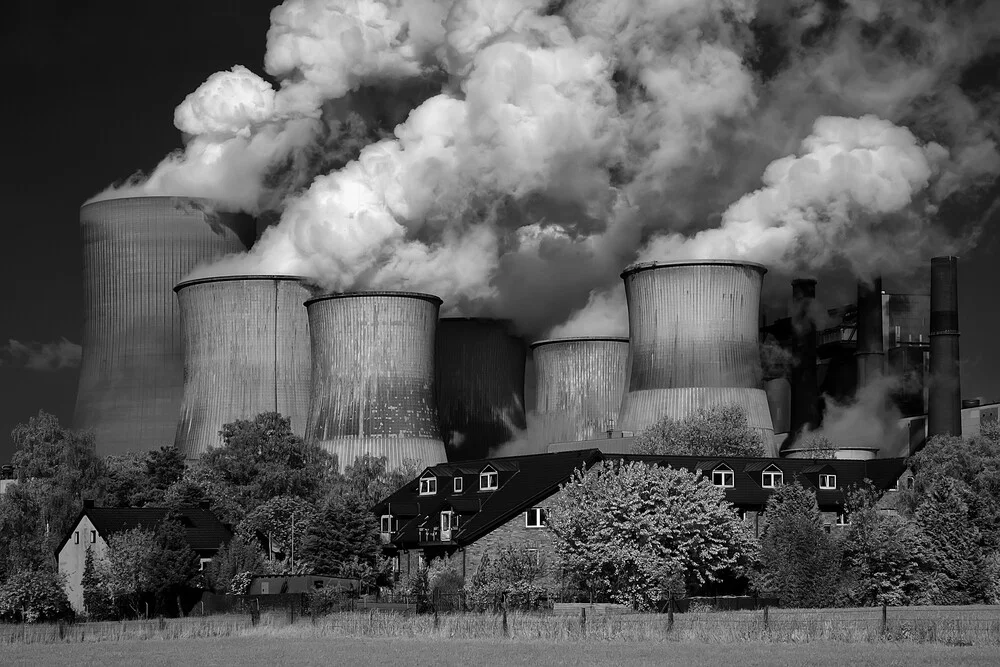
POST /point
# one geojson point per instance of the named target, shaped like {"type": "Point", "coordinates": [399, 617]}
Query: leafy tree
{"type": "Point", "coordinates": [344, 529]}
{"type": "Point", "coordinates": [24, 545]}
{"type": "Point", "coordinates": [640, 531]}
{"type": "Point", "coordinates": [238, 558]}
{"type": "Point", "coordinates": [171, 565]}
{"type": "Point", "coordinates": [123, 569]}
{"type": "Point", "coordinates": [284, 522]}
{"type": "Point", "coordinates": [509, 578]}
{"type": "Point", "coordinates": [369, 479]}
{"type": "Point", "coordinates": [97, 599]}
{"type": "Point", "coordinates": [33, 597]}
{"type": "Point", "coordinates": [799, 560]}
{"type": "Point", "coordinates": [124, 483]}
{"type": "Point", "coordinates": [163, 467]}
{"type": "Point", "coordinates": [715, 431]}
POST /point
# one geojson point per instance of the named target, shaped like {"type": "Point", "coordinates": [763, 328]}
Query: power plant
{"type": "Point", "coordinates": [246, 351]}
{"type": "Point", "coordinates": [373, 377]}
{"type": "Point", "coordinates": [579, 387]}
{"type": "Point", "coordinates": [694, 342]}
{"type": "Point", "coordinates": [479, 385]}
{"type": "Point", "coordinates": [134, 251]}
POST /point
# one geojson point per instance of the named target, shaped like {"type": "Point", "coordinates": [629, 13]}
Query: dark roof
{"type": "Point", "coordinates": [203, 530]}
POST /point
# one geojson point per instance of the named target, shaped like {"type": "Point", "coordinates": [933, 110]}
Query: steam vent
{"type": "Point", "coordinates": [373, 377]}
{"type": "Point", "coordinates": [134, 251]}
{"type": "Point", "coordinates": [480, 385]}
{"type": "Point", "coordinates": [579, 386]}
{"type": "Point", "coordinates": [246, 351]}
{"type": "Point", "coordinates": [694, 342]}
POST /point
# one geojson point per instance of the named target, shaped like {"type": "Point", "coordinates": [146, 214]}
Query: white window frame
{"type": "Point", "coordinates": [449, 520]}
{"type": "Point", "coordinates": [842, 519]}
{"type": "Point", "coordinates": [725, 472]}
{"type": "Point", "coordinates": [76, 537]}
{"type": "Point", "coordinates": [827, 481]}
{"type": "Point", "coordinates": [457, 484]}
{"type": "Point", "coordinates": [776, 475]}
{"type": "Point", "coordinates": [540, 515]}
{"type": "Point", "coordinates": [428, 485]}
{"type": "Point", "coordinates": [202, 562]}
{"type": "Point", "coordinates": [93, 537]}
{"type": "Point", "coordinates": [385, 522]}
{"type": "Point", "coordinates": [492, 478]}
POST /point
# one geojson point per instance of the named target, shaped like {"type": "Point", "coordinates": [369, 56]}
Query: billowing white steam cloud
{"type": "Point", "coordinates": [563, 137]}
{"type": "Point", "coordinates": [44, 357]}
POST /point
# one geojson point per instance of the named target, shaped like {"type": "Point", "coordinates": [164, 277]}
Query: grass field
{"type": "Point", "coordinates": [411, 652]}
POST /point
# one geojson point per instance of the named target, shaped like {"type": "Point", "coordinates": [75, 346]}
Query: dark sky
{"type": "Point", "coordinates": [91, 90]}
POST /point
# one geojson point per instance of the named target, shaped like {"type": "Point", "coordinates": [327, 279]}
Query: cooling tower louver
{"type": "Point", "coordinates": [373, 377]}
{"type": "Point", "coordinates": [134, 251]}
{"type": "Point", "coordinates": [694, 342]}
{"type": "Point", "coordinates": [246, 351]}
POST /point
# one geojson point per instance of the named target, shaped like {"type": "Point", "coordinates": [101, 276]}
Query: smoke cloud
{"type": "Point", "coordinates": [42, 357]}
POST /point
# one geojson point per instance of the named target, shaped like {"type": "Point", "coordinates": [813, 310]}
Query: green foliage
{"type": "Point", "coordinates": [444, 576]}
{"type": "Point", "coordinates": [33, 597]}
{"type": "Point", "coordinates": [369, 480]}
{"type": "Point", "coordinates": [345, 529]}
{"type": "Point", "coordinates": [172, 564]}
{"type": "Point", "coordinates": [97, 600]}
{"type": "Point", "coordinates": [716, 431]}
{"type": "Point", "coordinates": [24, 545]}
{"type": "Point", "coordinates": [799, 560]}
{"type": "Point", "coordinates": [123, 570]}
{"type": "Point", "coordinates": [240, 557]}
{"type": "Point", "coordinates": [641, 532]}
{"type": "Point", "coordinates": [283, 522]}
{"type": "Point", "coordinates": [509, 578]}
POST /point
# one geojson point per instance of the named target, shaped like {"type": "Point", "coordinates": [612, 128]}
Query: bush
{"type": "Point", "coordinates": [34, 597]}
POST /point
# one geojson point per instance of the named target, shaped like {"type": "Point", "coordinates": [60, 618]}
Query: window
{"type": "Point", "coordinates": [842, 519]}
{"type": "Point", "coordinates": [772, 477]}
{"type": "Point", "coordinates": [428, 485]}
{"type": "Point", "coordinates": [909, 482]}
{"type": "Point", "coordinates": [457, 486]}
{"type": "Point", "coordinates": [318, 584]}
{"type": "Point", "coordinates": [488, 480]}
{"type": "Point", "coordinates": [76, 537]}
{"type": "Point", "coordinates": [395, 563]}
{"type": "Point", "coordinates": [535, 518]}
{"type": "Point", "coordinates": [449, 520]}
{"type": "Point", "coordinates": [723, 476]}
{"type": "Point", "coordinates": [93, 536]}
{"type": "Point", "coordinates": [743, 515]}
{"type": "Point", "coordinates": [386, 523]}
{"type": "Point", "coordinates": [202, 562]}
{"type": "Point", "coordinates": [828, 482]}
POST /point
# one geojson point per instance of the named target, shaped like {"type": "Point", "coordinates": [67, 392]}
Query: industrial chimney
{"type": "Point", "coordinates": [944, 411]}
{"type": "Point", "coordinates": [870, 352]}
{"type": "Point", "coordinates": [373, 377]}
{"type": "Point", "coordinates": [479, 384]}
{"type": "Point", "coordinates": [579, 387]}
{"type": "Point", "coordinates": [805, 385]}
{"type": "Point", "coordinates": [246, 351]}
{"type": "Point", "coordinates": [135, 250]}
{"type": "Point", "coordinates": [694, 342]}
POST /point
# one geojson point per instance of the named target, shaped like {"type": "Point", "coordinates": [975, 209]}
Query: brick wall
{"type": "Point", "coordinates": [515, 533]}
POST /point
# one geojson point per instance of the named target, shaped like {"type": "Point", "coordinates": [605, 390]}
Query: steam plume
{"type": "Point", "coordinates": [43, 357]}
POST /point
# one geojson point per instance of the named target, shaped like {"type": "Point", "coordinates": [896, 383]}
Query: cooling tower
{"type": "Point", "coordinates": [579, 388]}
{"type": "Point", "coordinates": [479, 384]}
{"type": "Point", "coordinates": [134, 251]}
{"type": "Point", "coordinates": [871, 348]}
{"type": "Point", "coordinates": [805, 382]}
{"type": "Point", "coordinates": [246, 351]}
{"type": "Point", "coordinates": [944, 405]}
{"type": "Point", "coordinates": [373, 377]}
{"type": "Point", "coordinates": [694, 342]}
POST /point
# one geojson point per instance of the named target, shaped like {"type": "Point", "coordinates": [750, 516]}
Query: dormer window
{"type": "Point", "coordinates": [387, 524]}
{"type": "Point", "coordinates": [489, 480]}
{"type": "Point", "coordinates": [723, 477]}
{"type": "Point", "coordinates": [827, 482]}
{"type": "Point", "coordinates": [772, 477]}
{"type": "Point", "coordinates": [457, 485]}
{"type": "Point", "coordinates": [428, 485]}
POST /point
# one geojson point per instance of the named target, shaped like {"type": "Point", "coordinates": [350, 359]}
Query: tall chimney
{"type": "Point", "coordinates": [870, 353]}
{"type": "Point", "coordinates": [805, 409]}
{"type": "Point", "coordinates": [944, 414]}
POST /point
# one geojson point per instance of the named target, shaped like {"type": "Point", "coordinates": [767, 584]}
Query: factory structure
{"type": "Point", "coordinates": [169, 360]}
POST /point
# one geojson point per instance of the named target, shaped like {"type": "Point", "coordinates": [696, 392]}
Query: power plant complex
{"type": "Point", "coordinates": [170, 360]}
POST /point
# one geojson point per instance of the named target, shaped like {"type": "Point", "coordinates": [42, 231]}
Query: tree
{"type": "Point", "coordinates": [284, 522]}
{"type": "Point", "coordinates": [344, 529]}
{"type": "Point", "coordinates": [124, 483]}
{"type": "Point", "coordinates": [24, 545]}
{"type": "Point", "coordinates": [97, 599]}
{"type": "Point", "coordinates": [33, 597]}
{"type": "Point", "coordinates": [123, 570]}
{"type": "Point", "coordinates": [370, 480]}
{"type": "Point", "coordinates": [508, 578]}
{"type": "Point", "coordinates": [231, 565]}
{"type": "Point", "coordinates": [642, 532]}
{"type": "Point", "coordinates": [171, 565]}
{"type": "Point", "coordinates": [163, 467]}
{"type": "Point", "coordinates": [715, 431]}
{"type": "Point", "coordinates": [799, 560]}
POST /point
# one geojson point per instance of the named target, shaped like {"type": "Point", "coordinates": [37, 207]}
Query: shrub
{"type": "Point", "coordinates": [33, 597]}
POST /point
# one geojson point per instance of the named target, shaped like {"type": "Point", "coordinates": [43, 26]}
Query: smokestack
{"type": "Point", "coordinates": [694, 342]}
{"type": "Point", "coordinates": [373, 377]}
{"type": "Point", "coordinates": [944, 415]}
{"type": "Point", "coordinates": [805, 389]}
{"type": "Point", "coordinates": [246, 351]}
{"type": "Point", "coordinates": [479, 383]}
{"type": "Point", "coordinates": [134, 251]}
{"type": "Point", "coordinates": [579, 386]}
{"type": "Point", "coordinates": [870, 352]}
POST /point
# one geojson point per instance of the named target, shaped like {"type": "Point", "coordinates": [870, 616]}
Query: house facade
{"type": "Point", "coordinates": [204, 532]}
{"type": "Point", "coordinates": [470, 508]}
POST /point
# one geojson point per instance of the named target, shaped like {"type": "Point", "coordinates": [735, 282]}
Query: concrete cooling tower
{"type": "Point", "coordinates": [579, 387]}
{"type": "Point", "coordinates": [479, 384]}
{"type": "Point", "coordinates": [134, 251]}
{"type": "Point", "coordinates": [373, 377]}
{"type": "Point", "coordinates": [694, 342]}
{"type": "Point", "coordinates": [246, 351]}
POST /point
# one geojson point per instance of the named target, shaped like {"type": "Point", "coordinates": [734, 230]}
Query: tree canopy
{"type": "Point", "coordinates": [715, 431]}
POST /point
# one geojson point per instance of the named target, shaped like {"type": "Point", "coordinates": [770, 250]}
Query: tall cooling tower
{"type": "Point", "coordinates": [694, 342]}
{"type": "Point", "coordinates": [479, 383]}
{"type": "Point", "coordinates": [944, 404]}
{"type": "Point", "coordinates": [373, 377]}
{"type": "Point", "coordinates": [134, 251]}
{"type": "Point", "coordinates": [246, 351]}
{"type": "Point", "coordinates": [579, 387]}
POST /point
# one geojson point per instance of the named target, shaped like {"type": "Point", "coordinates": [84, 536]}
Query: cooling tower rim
{"type": "Point", "coordinates": [436, 300]}
{"type": "Point", "coordinates": [579, 339]}
{"type": "Point", "coordinates": [648, 266]}
{"type": "Point", "coordinates": [241, 277]}
{"type": "Point", "coordinates": [491, 320]}
{"type": "Point", "coordinates": [212, 203]}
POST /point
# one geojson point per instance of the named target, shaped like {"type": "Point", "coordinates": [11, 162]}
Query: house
{"type": "Point", "coordinates": [465, 509]}
{"type": "Point", "coordinates": [95, 525]}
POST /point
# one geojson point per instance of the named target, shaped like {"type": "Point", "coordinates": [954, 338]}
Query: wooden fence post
{"type": "Point", "coordinates": [765, 616]}
{"type": "Point", "coordinates": [670, 613]}
{"type": "Point", "coordinates": [506, 628]}
{"type": "Point", "coordinates": [885, 618]}
{"type": "Point", "coordinates": [583, 621]}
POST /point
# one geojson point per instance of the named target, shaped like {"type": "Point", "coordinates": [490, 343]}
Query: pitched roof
{"type": "Point", "coordinates": [202, 529]}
